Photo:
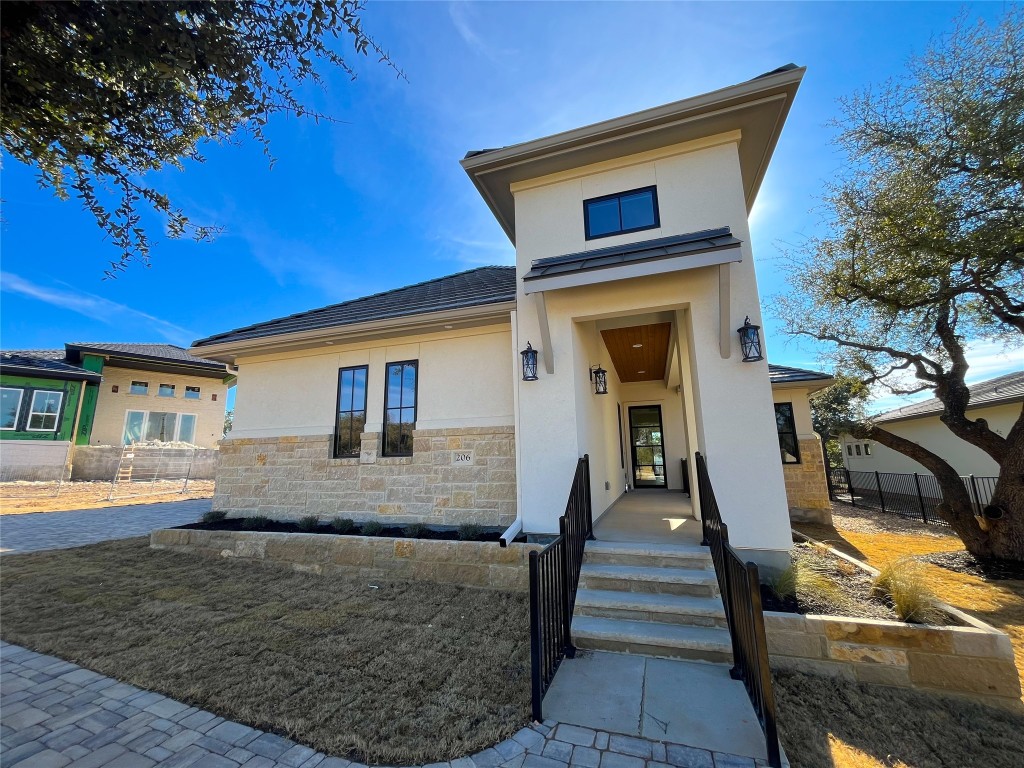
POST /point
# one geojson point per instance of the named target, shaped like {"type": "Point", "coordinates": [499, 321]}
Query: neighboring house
{"type": "Point", "coordinates": [997, 400]}
{"type": "Point", "coordinates": [800, 448]}
{"type": "Point", "coordinates": [113, 394]}
{"type": "Point", "coordinates": [633, 272]}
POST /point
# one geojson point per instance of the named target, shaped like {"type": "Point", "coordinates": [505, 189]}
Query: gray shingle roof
{"type": "Point", "coordinates": [783, 374]}
{"type": "Point", "coordinates": [484, 285]}
{"type": "Point", "coordinates": [1002, 389]}
{"type": "Point", "coordinates": [647, 250]}
{"type": "Point", "coordinates": [161, 352]}
{"type": "Point", "coordinates": [43, 362]}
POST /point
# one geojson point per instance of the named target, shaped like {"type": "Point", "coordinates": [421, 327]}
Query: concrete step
{"type": "Point", "coordinates": [685, 610]}
{"type": "Point", "coordinates": [651, 555]}
{"type": "Point", "coordinates": [633, 578]}
{"type": "Point", "coordinates": [652, 639]}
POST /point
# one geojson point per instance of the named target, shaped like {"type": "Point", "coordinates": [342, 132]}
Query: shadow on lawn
{"type": "Point", "coordinates": [829, 535]}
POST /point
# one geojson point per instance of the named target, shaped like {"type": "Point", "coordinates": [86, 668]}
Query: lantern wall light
{"type": "Point", "coordinates": [529, 363]}
{"type": "Point", "coordinates": [599, 376]}
{"type": "Point", "coordinates": [750, 341]}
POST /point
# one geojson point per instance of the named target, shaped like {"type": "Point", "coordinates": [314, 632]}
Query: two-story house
{"type": "Point", "coordinates": [634, 272]}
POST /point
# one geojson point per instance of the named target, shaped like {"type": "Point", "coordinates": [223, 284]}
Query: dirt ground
{"type": "Point", "coordinates": [868, 536]}
{"type": "Point", "coordinates": [383, 672]}
{"type": "Point", "coordinates": [20, 498]}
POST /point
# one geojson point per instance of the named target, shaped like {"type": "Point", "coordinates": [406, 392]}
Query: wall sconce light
{"type": "Point", "coordinates": [750, 341]}
{"type": "Point", "coordinates": [599, 376]}
{"type": "Point", "coordinates": [529, 363]}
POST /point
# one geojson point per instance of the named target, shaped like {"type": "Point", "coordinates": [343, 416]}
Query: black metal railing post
{"type": "Point", "coordinates": [920, 497]}
{"type": "Point", "coordinates": [767, 692]}
{"type": "Point", "coordinates": [878, 485]}
{"type": "Point", "coordinates": [590, 507]}
{"type": "Point", "coordinates": [849, 486]}
{"type": "Point", "coordinates": [976, 499]}
{"type": "Point", "coordinates": [568, 649]}
{"type": "Point", "coordinates": [536, 638]}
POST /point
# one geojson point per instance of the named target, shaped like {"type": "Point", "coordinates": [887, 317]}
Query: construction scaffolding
{"type": "Point", "coordinates": [145, 470]}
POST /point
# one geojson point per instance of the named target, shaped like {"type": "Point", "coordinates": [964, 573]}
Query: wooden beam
{"type": "Point", "coordinates": [546, 353]}
{"type": "Point", "coordinates": [724, 312]}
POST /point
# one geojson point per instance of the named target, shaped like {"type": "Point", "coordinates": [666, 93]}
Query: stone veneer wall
{"type": "Point", "coordinates": [806, 486]}
{"type": "Point", "coordinates": [470, 563]}
{"type": "Point", "coordinates": [976, 660]}
{"type": "Point", "coordinates": [454, 476]}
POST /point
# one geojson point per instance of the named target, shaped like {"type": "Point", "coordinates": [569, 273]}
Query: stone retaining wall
{"type": "Point", "coordinates": [470, 563]}
{"type": "Point", "coordinates": [99, 462]}
{"type": "Point", "coordinates": [806, 486]}
{"type": "Point", "coordinates": [976, 660]}
{"type": "Point", "coordinates": [454, 476]}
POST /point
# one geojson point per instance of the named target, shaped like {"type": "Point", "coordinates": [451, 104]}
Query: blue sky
{"type": "Point", "coordinates": [380, 200]}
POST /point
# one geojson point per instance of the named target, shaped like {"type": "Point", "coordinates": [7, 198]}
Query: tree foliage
{"type": "Point", "coordinates": [835, 410]}
{"type": "Point", "coordinates": [98, 94]}
{"type": "Point", "coordinates": [924, 250]}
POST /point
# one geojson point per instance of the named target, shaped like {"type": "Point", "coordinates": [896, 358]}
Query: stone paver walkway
{"type": "Point", "coordinates": [75, 528]}
{"type": "Point", "coordinates": [54, 713]}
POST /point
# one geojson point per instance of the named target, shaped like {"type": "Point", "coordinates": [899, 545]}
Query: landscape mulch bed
{"type": "Point", "coordinates": [964, 562]}
{"type": "Point", "coordinates": [392, 672]}
{"type": "Point", "coordinates": [436, 532]}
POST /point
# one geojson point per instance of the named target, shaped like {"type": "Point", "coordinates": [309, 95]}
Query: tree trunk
{"type": "Point", "coordinates": [998, 531]}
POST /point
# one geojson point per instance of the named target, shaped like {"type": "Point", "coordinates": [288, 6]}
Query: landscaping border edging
{"type": "Point", "coordinates": [975, 660]}
{"type": "Point", "coordinates": [468, 563]}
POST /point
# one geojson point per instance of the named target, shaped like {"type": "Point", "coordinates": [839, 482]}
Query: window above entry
{"type": "Point", "coordinates": [623, 212]}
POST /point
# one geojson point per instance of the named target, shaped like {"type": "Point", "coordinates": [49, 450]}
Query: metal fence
{"type": "Point", "coordinates": [148, 470]}
{"type": "Point", "coordinates": [740, 585]}
{"type": "Point", "coordinates": [907, 495]}
{"type": "Point", "coordinates": [554, 577]}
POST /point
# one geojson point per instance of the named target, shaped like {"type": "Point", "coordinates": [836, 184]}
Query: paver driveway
{"type": "Point", "coordinates": [59, 530]}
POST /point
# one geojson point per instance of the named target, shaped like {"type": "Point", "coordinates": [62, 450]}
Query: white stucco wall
{"type": "Point", "coordinates": [464, 379]}
{"type": "Point", "coordinates": [936, 437]}
{"type": "Point", "coordinates": [698, 188]}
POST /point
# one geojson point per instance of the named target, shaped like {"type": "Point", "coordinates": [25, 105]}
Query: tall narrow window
{"type": "Point", "coordinates": [134, 427]}
{"type": "Point", "coordinates": [10, 406]}
{"type": "Point", "coordinates": [351, 411]}
{"type": "Point", "coordinates": [160, 427]}
{"type": "Point", "coordinates": [42, 416]}
{"type": "Point", "coordinates": [400, 408]}
{"type": "Point", "coordinates": [788, 445]}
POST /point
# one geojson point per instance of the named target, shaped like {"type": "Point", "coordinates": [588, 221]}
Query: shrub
{"type": "Point", "coordinates": [343, 525]}
{"type": "Point", "coordinates": [902, 583]}
{"type": "Point", "coordinates": [470, 531]}
{"type": "Point", "coordinates": [309, 523]}
{"type": "Point", "coordinates": [213, 516]}
{"type": "Point", "coordinates": [256, 523]}
{"type": "Point", "coordinates": [372, 528]}
{"type": "Point", "coordinates": [415, 530]}
{"type": "Point", "coordinates": [808, 582]}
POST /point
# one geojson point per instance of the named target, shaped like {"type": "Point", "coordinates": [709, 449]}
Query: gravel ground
{"type": "Point", "coordinates": [849, 518]}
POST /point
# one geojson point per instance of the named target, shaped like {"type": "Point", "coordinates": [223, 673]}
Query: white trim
{"type": "Point", "coordinates": [637, 269]}
{"type": "Point", "coordinates": [32, 412]}
{"type": "Point", "coordinates": [17, 410]}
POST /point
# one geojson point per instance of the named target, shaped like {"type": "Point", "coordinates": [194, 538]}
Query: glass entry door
{"type": "Point", "coordinates": [647, 446]}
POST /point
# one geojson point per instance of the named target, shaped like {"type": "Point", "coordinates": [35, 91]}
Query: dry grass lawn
{"type": "Point", "coordinates": [395, 672]}
{"type": "Point", "coordinates": [21, 498]}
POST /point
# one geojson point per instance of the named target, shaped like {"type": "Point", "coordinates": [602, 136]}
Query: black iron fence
{"type": "Point", "coordinates": [554, 577]}
{"type": "Point", "coordinates": [740, 586]}
{"type": "Point", "coordinates": [907, 495]}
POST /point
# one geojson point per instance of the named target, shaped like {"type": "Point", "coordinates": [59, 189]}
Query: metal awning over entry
{"type": "Point", "coordinates": [707, 248]}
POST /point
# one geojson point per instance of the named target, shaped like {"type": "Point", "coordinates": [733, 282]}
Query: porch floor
{"type": "Point", "coordinates": [650, 515]}
{"type": "Point", "coordinates": [686, 702]}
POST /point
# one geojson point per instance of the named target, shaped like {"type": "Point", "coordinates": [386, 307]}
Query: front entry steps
{"type": "Point", "coordinates": [650, 599]}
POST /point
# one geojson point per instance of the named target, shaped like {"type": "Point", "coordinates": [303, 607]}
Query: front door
{"type": "Point", "coordinates": [647, 446]}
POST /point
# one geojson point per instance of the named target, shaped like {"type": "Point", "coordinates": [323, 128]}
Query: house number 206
{"type": "Point", "coordinates": [463, 458]}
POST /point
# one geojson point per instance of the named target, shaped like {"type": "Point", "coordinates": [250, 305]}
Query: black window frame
{"type": "Point", "coordinates": [385, 448]}
{"type": "Point", "coordinates": [867, 449]}
{"type": "Point", "coordinates": [355, 439]}
{"type": "Point", "coordinates": [790, 431]}
{"type": "Point", "coordinates": [617, 196]}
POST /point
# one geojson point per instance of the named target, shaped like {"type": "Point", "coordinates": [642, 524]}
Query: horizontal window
{"type": "Point", "coordinates": [191, 393]}
{"type": "Point", "coordinates": [10, 406]}
{"type": "Point", "coordinates": [44, 411]}
{"type": "Point", "coordinates": [165, 390]}
{"type": "Point", "coordinates": [158, 426]}
{"type": "Point", "coordinates": [139, 388]}
{"type": "Point", "coordinates": [623, 212]}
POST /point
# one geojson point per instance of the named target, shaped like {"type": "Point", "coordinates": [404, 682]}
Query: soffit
{"type": "Point", "coordinates": [639, 352]}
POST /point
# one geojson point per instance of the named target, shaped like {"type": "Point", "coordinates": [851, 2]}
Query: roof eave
{"type": "Point", "coordinates": [811, 385]}
{"type": "Point", "coordinates": [49, 373]}
{"type": "Point", "coordinates": [673, 123]}
{"type": "Point", "coordinates": [110, 355]}
{"type": "Point", "coordinates": [427, 322]}
{"type": "Point", "coordinates": [1009, 400]}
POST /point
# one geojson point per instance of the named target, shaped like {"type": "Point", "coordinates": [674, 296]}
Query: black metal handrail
{"type": "Point", "coordinates": [905, 494]}
{"type": "Point", "coordinates": [554, 577]}
{"type": "Point", "coordinates": [740, 586]}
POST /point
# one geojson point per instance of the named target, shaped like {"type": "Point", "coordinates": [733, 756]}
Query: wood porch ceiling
{"type": "Point", "coordinates": [644, 363]}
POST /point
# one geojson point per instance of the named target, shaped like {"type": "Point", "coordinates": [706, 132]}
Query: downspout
{"type": "Point", "coordinates": [517, 525]}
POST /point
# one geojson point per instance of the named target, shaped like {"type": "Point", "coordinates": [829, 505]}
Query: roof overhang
{"type": "Point", "coordinates": [482, 315]}
{"type": "Point", "coordinates": [995, 402]}
{"type": "Point", "coordinates": [150, 363]}
{"type": "Point", "coordinates": [50, 373]}
{"type": "Point", "coordinates": [756, 108]}
{"type": "Point", "coordinates": [811, 385]}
